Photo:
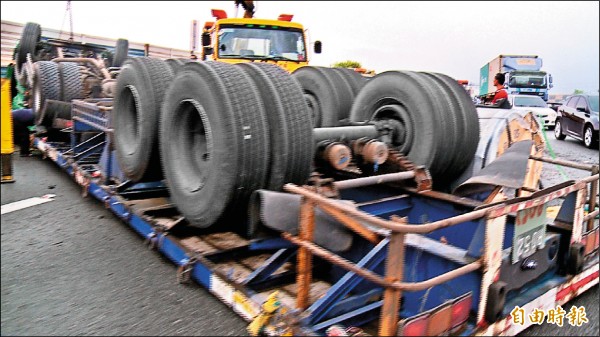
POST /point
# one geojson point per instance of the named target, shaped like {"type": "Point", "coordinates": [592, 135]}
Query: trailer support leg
{"type": "Point", "coordinates": [394, 271]}
{"type": "Point", "coordinates": [307, 228]}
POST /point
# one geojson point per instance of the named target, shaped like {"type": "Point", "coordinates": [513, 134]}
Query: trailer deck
{"type": "Point", "coordinates": [243, 273]}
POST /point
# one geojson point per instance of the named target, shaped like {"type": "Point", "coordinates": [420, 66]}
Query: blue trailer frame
{"type": "Point", "coordinates": [342, 296]}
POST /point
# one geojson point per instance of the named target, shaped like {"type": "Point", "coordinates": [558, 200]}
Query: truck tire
{"type": "Point", "coordinates": [464, 123]}
{"type": "Point", "coordinates": [253, 137]}
{"type": "Point", "coordinates": [354, 79]}
{"type": "Point", "coordinates": [446, 129]}
{"type": "Point", "coordinates": [320, 95]}
{"type": "Point", "coordinates": [343, 91]}
{"type": "Point", "coordinates": [71, 86]}
{"type": "Point", "coordinates": [176, 64]}
{"type": "Point", "coordinates": [32, 33]}
{"type": "Point", "coordinates": [46, 86]}
{"type": "Point", "coordinates": [139, 93]}
{"type": "Point", "coordinates": [289, 124]}
{"type": "Point", "coordinates": [121, 53]}
{"type": "Point", "coordinates": [399, 95]}
{"type": "Point", "coordinates": [469, 118]}
{"type": "Point", "coordinates": [450, 116]}
{"type": "Point", "coordinates": [214, 141]}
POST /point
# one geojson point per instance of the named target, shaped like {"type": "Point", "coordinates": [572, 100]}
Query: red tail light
{"type": "Point", "coordinates": [414, 326]}
{"type": "Point", "coordinates": [440, 320]}
{"type": "Point", "coordinates": [461, 309]}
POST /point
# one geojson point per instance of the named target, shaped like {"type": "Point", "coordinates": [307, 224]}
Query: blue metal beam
{"type": "Point", "coordinates": [270, 266]}
{"type": "Point", "coordinates": [321, 307]}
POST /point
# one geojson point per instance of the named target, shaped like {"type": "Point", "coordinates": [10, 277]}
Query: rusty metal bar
{"type": "Point", "coordinates": [370, 276]}
{"type": "Point", "coordinates": [95, 62]}
{"type": "Point", "coordinates": [376, 221]}
{"type": "Point", "coordinates": [373, 180]}
{"type": "Point", "coordinates": [304, 269]}
{"type": "Point", "coordinates": [563, 163]}
{"type": "Point", "coordinates": [590, 217]}
{"type": "Point", "coordinates": [394, 272]}
{"type": "Point", "coordinates": [592, 197]}
{"type": "Point", "coordinates": [351, 224]}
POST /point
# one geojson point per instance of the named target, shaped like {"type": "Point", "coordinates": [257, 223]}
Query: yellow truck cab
{"type": "Point", "coordinates": [235, 40]}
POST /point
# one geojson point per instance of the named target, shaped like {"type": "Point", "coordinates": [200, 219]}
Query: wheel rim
{"type": "Point", "coordinates": [588, 136]}
{"type": "Point", "coordinates": [557, 129]}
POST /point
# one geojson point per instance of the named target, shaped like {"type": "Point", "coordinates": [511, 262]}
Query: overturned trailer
{"type": "Point", "coordinates": [401, 212]}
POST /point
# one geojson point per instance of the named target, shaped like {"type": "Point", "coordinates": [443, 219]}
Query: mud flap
{"type": "Point", "coordinates": [495, 303]}
{"type": "Point", "coordinates": [508, 170]}
{"type": "Point", "coordinates": [281, 211]}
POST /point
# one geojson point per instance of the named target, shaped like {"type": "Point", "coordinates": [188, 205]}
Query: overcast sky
{"type": "Point", "coordinates": [454, 38]}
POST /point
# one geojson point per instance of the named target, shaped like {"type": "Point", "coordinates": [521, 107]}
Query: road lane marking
{"type": "Point", "coordinates": [17, 205]}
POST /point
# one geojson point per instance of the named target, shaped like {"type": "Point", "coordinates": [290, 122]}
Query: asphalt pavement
{"type": "Point", "coordinates": [70, 267]}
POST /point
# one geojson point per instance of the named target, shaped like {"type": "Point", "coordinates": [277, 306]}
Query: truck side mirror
{"type": "Point", "coordinates": [550, 81]}
{"type": "Point", "coordinates": [206, 39]}
{"type": "Point", "coordinates": [318, 47]}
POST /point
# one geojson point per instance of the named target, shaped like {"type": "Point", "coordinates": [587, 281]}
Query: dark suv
{"type": "Point", "coordinates": [578, 118]}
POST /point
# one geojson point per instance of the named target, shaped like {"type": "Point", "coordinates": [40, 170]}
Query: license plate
{"type": "Point", "coordinates": [528, 243]}
{"type": "Point", "coordinates": [530, 232]}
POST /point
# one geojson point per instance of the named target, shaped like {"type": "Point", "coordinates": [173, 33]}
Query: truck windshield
{"type": "Point", "coordinates": [261, 42]}
{"type": "Point", "coordinates": [529, 101]}
{"type": "Point", "coordinates": [527, 81]}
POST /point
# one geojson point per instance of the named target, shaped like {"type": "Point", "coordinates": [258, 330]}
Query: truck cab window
{"type": "Point", "coordinates": [268, 42]}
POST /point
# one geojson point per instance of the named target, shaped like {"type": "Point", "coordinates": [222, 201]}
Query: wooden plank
{"type": "Point", "coordinates": [195, 244]}
{"type": "Point", "coordinates": [223, 241]}
{"type": "Point", "coordinates": [254, 262]}
{"type": "Point", "coordinates": [318, 288]}
{"type": "Point", "coordinates": [234, 271]}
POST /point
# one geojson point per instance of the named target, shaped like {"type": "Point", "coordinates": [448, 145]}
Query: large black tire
{"type": "Point", "coordinates": [30, 37]}
{"type": "Point", "coordinates": [354, 79]}
{"type": "Point", "coordinates": [254, 135]}
{"type": "Point", "coordinates": [289, 124]}
{"type": "Point", "coordinates": [214, 141]}
{"type": "Point", "coordinates": [462, 127]}
{"type": "Point", "coordinates": [558, 134]}
{"type": "Point", "coordinates": [71, 83]}
{"type": "Point", "coordinates": [343, 90]}
{"type": "Point", "coordinates": [45, 86]}
{"type": "Point", "coordinates": [176, 64]}
{"type": "Point", "coordinates": [320, 95]}
{"type": "Point", "coordinates": [402, 96]}
{"type": "Point", "coordinates": [139, 94]}
{"type": "Point", "coordinates": [468, 119]}
{"type": "Point", "coordinates": [446, 128]}
{"type": "Point", "coordinates": [121, 53]}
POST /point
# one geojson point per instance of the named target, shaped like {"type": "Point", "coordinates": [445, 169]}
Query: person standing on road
{"type": "Point", "coordinates": [23, 118]}
{"type": "Point", "coordinates": [500, 91]}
